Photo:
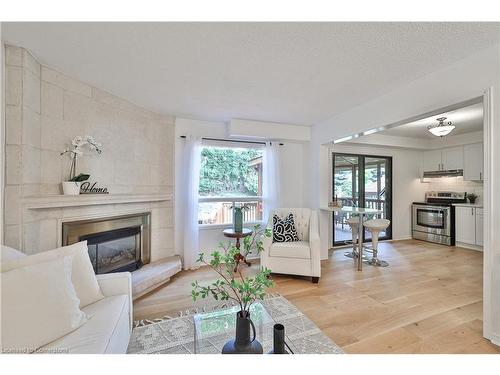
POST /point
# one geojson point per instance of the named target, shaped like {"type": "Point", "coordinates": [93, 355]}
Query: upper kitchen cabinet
{"type": "Point", "coordinates": [473, 162]}
{"type": "Point", "coordinates": [432, 161]}
{"type": "Point", "coordinates": [443, 160]}
{"type": "Point", "coordinates": [453, 158]}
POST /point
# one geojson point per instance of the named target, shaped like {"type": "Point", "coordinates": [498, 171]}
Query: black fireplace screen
{"type": "Point", "coordinates": [115, 250]}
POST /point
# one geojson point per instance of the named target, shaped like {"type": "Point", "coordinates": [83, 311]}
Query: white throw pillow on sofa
{"type": "Point", "coordinates": [39, 305]}
{"type": "Point", "coordinates": [83, 276]}
{"type": "Point", "coordinates": [9, 253]}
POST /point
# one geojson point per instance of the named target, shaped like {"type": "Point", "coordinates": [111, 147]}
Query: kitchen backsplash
{"type": "Point", "coordinates": [456, 184]}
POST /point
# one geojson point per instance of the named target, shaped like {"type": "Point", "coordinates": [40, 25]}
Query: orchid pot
{"type": "Point", "coordinates": [71, 187]}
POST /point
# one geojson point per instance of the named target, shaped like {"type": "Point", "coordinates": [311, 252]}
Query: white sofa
{"type": "Point", "coordinates": [109, 326]}
{"type": "Point", "coordinates": [110, 321]}
{"type": "Point", "coordinates": [295, 258]}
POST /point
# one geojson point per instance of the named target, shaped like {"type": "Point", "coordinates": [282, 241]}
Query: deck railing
{"type": "Point", "coordinates": [224, 213]}
{"type": "Point", "coordinates": [374, 203]}
{"type": "Point", "coordinates": [341, 217]}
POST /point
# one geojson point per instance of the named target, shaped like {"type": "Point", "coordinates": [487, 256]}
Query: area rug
{"type": "Point", "coordinates": [175, 335]}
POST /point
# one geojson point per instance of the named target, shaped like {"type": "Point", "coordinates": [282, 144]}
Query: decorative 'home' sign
{"type": "Point", "coordinates": [87, 188]}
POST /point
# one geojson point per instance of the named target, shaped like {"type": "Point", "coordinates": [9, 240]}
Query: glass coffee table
{"type": "Point", "coordinates": [213, 329]}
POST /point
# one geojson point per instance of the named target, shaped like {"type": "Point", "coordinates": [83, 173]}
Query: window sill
{"type": "Point", "coordinates": [226, 226]}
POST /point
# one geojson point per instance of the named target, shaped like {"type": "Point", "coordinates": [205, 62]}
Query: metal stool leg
{"type": "Point", "coordinates": [374, 261]}
{"type": "Point", "coordinates": [353, 253]}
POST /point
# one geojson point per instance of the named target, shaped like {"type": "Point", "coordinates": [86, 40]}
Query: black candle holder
{"type": "Point", "coordinates": [279, 340]}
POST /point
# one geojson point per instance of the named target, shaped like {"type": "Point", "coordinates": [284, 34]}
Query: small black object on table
{"type": "Point", "coordinates": [245, 232]}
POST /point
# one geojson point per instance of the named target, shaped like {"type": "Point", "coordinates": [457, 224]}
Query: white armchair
{"type": "Point", "coordinates": [295, 258]}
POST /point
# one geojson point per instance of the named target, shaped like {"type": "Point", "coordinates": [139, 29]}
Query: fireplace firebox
{"type": "Point", "coordinates": [115, 244]}
{"type": "Point", "coordinates": [115, 250]}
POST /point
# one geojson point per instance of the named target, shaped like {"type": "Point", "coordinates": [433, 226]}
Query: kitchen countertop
{"type": "Point", "coordinates": [477, 205]}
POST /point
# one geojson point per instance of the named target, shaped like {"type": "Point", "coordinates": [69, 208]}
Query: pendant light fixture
{"type": "Point", "coordinates": [441, 129]}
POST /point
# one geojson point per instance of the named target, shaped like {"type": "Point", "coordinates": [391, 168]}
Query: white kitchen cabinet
{"type": "Point", "coordinates": [432, 160]}
{"type": "Point", "coordinates": [465, 225]}
{"type": "Point", "coordinates": [452, 158]}
{"type": "Point", "coordinates": [479, 226]}
{"type": "Point", "coordinates": [469, 226]}
{"type": "Point", "coordinates": [473, 162]}
{"type": "Point", "coordinates": [445, 159]}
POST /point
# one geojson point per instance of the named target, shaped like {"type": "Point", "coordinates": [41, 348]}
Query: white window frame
{"type": "Point", "coordinates": [233, 200]}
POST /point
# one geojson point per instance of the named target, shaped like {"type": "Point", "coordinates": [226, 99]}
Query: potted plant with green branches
{"type": "Point", "coordinates": [255, 240]}
{"type": "Point", "coordinates": [233, 285]}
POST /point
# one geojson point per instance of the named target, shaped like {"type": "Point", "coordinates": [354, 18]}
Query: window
{"type": "Point", "coordinates": [230, 173]}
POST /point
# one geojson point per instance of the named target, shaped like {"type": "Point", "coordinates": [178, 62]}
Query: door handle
{"type": "Point", "coordinates": [480, 175]}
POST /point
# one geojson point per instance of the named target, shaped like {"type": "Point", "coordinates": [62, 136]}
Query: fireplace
{"type": "Point", "coordinates": [115, 244]}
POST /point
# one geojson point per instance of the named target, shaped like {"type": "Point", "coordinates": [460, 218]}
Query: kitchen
{"type": "Point", "coordinates": [429, 183]}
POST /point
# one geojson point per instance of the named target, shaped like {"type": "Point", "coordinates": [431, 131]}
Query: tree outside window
{"type": "Point", "coordinates": [229, 176]}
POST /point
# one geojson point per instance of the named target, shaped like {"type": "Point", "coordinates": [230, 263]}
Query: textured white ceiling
{"type": "Point", "coordinates": [468, 119]}
{"type": "Point", "coordinates": [298, 73]}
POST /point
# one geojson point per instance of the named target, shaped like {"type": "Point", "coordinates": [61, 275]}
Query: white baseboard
{"type": "Point", "coordinates": [469, 246]}
{"type": "Point", "coordinates": [495, 339]}
{"type": "Point", "coordinates": [400, 239]}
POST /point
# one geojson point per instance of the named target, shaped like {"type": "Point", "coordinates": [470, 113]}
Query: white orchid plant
{"type": "Point", "coordinates": [75, 150]}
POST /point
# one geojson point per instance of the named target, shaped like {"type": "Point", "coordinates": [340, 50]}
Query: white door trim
{"type": "Point", "coordinates": [489, 176]}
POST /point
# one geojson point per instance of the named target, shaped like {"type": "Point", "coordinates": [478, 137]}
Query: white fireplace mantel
{"type": "Point", "coordinates": [43, 202]}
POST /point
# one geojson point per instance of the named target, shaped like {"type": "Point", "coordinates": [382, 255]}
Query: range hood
{"type": "Point", "coordinates": [446, 173]}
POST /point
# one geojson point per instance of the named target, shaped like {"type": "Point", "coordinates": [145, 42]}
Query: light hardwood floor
{"type": "Point", "coordinates": [429, 300]}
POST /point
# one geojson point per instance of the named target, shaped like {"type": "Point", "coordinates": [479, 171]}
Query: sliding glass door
{"type": "Point", "coordinates": [361, 181]}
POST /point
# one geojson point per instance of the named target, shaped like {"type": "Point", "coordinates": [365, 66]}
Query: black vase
{"type": "Point", "coordinates": [278, 340]}
{"type": "Point", "coordinates": [242, 343]}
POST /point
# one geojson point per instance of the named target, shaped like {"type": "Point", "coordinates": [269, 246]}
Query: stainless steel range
{"type": "Point", "coordinates": [434, 219]}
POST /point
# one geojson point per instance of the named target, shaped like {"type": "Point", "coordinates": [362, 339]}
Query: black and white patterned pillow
{"type": "Point", "coordinates": [284, 229]}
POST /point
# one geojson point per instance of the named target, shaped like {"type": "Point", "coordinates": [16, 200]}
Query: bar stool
{"type": "Point", "coordinates": [375, 226]}
{"type": "Point", "coordinates": [354, 224]}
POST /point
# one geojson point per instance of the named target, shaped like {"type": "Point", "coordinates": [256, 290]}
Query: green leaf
{"type": "Point", "coordinates": [81, 177]}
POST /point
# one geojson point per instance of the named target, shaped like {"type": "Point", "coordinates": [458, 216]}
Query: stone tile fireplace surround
{"type": "Point", "coordinates": [46, 216]}
{"type": "Point", "coordinates": [44, 111]}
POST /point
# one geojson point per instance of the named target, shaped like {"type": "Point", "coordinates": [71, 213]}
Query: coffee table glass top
{"type": "Point", "coordinates": [213, 329]}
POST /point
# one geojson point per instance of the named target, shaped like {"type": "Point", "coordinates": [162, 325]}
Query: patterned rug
{"type": "Point", "coordinates": [176, 335]}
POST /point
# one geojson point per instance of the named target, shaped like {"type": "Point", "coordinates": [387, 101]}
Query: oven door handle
{"type": "Point", "coordinates": [417, 206]}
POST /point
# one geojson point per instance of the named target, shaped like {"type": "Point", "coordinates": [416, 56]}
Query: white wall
{"type": "Point", "coordinates": [271, 130]}
{"type": "Point", "coordinates": [463, 80]}
{"type": "Point", "coordinates": [294, 159]}
{"type": "Point", "coordinates": [406, 185]}
{"type": "Point", "coordinates": [457, 184]}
